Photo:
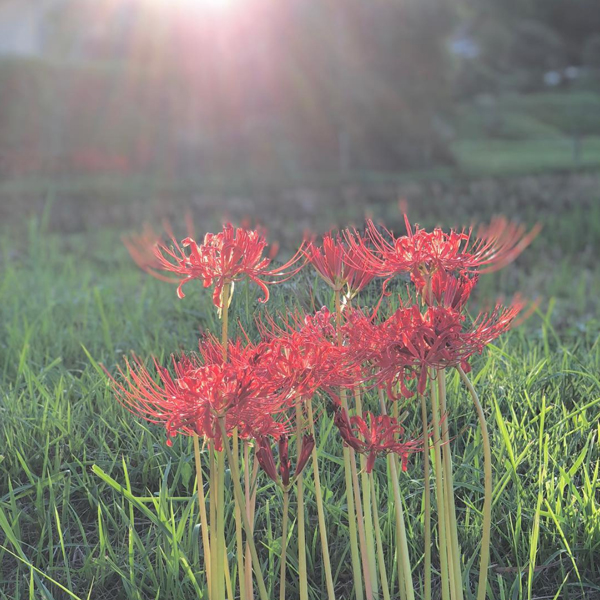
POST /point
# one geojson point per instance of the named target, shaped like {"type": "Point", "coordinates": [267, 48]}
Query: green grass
{"type": "Point", "coordinates": [93, 501]}
{"type": "Point", "coordinates": [528, 133]}
{"type": "Point", "coordinates": [506, 157]}
{"type": "Point", "coordinates": [568, 111]}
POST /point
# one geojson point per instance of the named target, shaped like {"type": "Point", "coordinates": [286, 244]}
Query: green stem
{"type": "Point", "coordinates": [202, 507]}
{"type": "Point", "coordinates": [395, 414]}
{"type": "Point", "coordinates": [239, 542]}
{"type": "Point", "coordinates": [284, 536]}
{"type": "Point", "coordinates": [225, 299]}
{"type": "Point", "coordinates": [380, 556]}
{"type": "Point", "coordinates": [213, 523]}
{"type": "Point", "coordinates": [348, 454]}
{"type": "Point", "coordinates": [451, 523]}
{"type": "Point", "coordinates": [402, 551]}
{"type": "Point", "coordinates": [226, 294]}
{"type": "Point", "coordinates": [439, 492]}
{"type": "Point", "coordinates": [366, 505]}
{"type": "Point", "coordinates": [221, 550]}
{"type": "Point", "coordinates": [227, 578]}
{"type": "Point", "coordinates": [239, 498]}
{"type": "Point", "coordinates": [302, 569]}
{"type": "Point", "coordinates": [487, 502]}
{"type": "Point", "coordinates": [250, 515]}
{"type": "Point", "coordinates": [320, 508]}
{"type": "Point", "coordinates": [427, 499]}
{"type": "Point", "coordinates": [361, 531]}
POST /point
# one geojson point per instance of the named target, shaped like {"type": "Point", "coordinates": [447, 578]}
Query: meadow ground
{"type": "Point", "coordinates": [93, 501]}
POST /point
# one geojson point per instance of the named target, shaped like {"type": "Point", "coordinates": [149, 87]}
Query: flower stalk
{"type": "Point", "coordinates": [426, 502]}
{"type": "Point", "coordinates": [320, 508]}
{"type": "Point", "coordinates": [380, 555]}
{"type": "Point", "coordinates": [440, 498]}
{"type": "Point", "coordinates": [284, 537]}
{"type": "Point", "coordinates": [487, 502]}
{"type": "Point", "coordinates": [367, 513]}
{"type": "Point", "coordinates": [348, 454]}
{"type": "Point", "coordinates": [202, 507]}
{"type": "Point", "coordinates": [239, 498]}
{"type": "Point", "coordinates": [302, 570]}
{"type": "Point", "coordinates": [451, 523]}
{"type": "Point", "coordinates": [402, 550]}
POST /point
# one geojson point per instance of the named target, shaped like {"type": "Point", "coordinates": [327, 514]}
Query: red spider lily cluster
{"type": "Point", "coordinates": [261, 391]}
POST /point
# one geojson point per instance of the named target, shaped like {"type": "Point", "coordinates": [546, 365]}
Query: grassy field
{"type": "Point", "coordinates": [93, 503]}
{"type": "Point", "coordinates": [529, 133]}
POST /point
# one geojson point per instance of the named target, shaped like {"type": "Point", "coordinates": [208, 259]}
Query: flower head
{"type": "Point", "coordinates": [264, 455]}
{"type": "Point", "coordinates": [411, 341]}
{"type": "Point", "coordinates": [141, 247]}
{"type": "Point", "coordinates": [304, 354]}
{"type": "Point", "coordinates": [444, 288]}
{"type": "Point", "coordinates": [338, 264]}
{"type": "Point", "coordinates": [224, 258]}
{"type": "Point", "coordinates": [195, 396]}
{"type": "Point", "coordinates": [421, 252]}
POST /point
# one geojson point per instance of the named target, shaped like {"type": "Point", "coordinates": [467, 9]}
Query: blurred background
{"type": "Point", "coordinates": [109, 106]}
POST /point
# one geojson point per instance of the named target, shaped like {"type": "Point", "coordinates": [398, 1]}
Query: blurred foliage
{"type": "Point", "coordinates": [572, 113]}
{"type": "Point", "coordinates": [572, 21]}
{"type": "Point", "coordinates": [591, 51]}
{"type": "Point", "coordinates": [282, 90]}
{"type": "Point", "coordinates": [294, 85]}
{"type": "Point", "coordinates": [546, 116]}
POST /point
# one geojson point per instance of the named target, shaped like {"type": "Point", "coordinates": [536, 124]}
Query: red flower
{"type": "Point", "coordinates": [305, 354]}
{"type": "Point", "coordinates": [422, 253]}
{"type": "Point", "coordinates": [411, 341]}
{"type": "Point", "coordinates": [141, 247]}
{"type": "Point", "coordinates": [197, 395]}
{"type": "Point", "coordinates": [264, 455]}
{"type": "Point", "coordinates": [446, 289]}
{"type": "Point", "coordinates": [379, 436]}
{"type": "Point", "coordinates": [338, 264]}
{"type": "Point", "coordinates": [223, 258]}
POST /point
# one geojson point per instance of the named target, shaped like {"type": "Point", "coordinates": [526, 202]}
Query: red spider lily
{"type": "Point", "coordinates": [421, 252]}
{"type": "Point", "coordinates": [224, 258]}
{"type": "Point", "coordinates": [141, 247]}
{"type": "Point", "coordinates": [410, 341]}
{"type": "Point", "coordinates": [338, 264]}
{"type": "Point", "coordinates": [196, 396]}
{"type": "Point", "coordinates": [264, 455]}
{"type": "Point", "coordinates": [317, 327]}
{"type": "Point", "coordinates": [241, 352]}
{"type": "Point", "coordinates": [446, 289]}
{"type": "Point", "coordinates": [303, 367]}
{"type": "Point", "coordinates": [291, 363]}
{"type": "Point", "coordinates": [305, 354]}
{"type": "Point", "coordinates": [377, 437]}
